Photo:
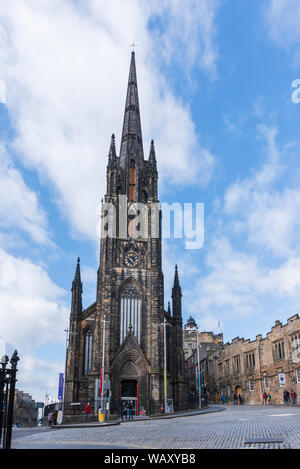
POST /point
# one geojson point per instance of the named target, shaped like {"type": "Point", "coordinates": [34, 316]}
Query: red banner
{"type": "Point", "coordinates": [101, 381]}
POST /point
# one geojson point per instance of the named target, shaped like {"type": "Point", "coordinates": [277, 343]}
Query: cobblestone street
{"type": "Point", "coordinates": [228, 430]}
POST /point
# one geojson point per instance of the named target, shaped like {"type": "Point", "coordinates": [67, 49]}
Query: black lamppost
{"type": "Point", "coordinates": [4, 361]}
{"type": "Point", "coordinates": [7, 390]}
{"type": "Point", "coordinates": [12, 372]}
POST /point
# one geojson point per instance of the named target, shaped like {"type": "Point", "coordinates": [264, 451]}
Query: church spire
{"type": "Point", "coordinates": [152, 157]}
{"type": "Point", "coordinates": [77, 291]}
{"type": "Point", "coordinates": [132, 132]}
{"type": "Point", "coordinates": [176, 296]}
{"type": "Point", "coordinates": [112, 150]}
{"type": "Point", "coordinates": [176, 278]}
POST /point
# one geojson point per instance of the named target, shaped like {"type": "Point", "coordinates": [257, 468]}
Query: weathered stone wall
{"type": "Point", "coordinates": [251, 381]}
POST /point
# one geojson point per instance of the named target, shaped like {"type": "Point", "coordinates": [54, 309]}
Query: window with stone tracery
{"type": "Point", "coordinates": [132, 181]}
{"type": "Point", "coordinates": [130, 312]}
{"type": "Point", "coordinates": [88, 352]}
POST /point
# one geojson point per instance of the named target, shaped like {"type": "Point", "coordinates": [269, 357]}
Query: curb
{"type": "Point", "coordinates": [118, 422]}
{"type": "Point", "coordinates": [88, 425]}
{"type": "Point", "coordinates": [173, 416]}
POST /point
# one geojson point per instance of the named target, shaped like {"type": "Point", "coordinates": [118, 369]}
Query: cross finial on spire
{"type": "Point", "coordinates": [133, 45]}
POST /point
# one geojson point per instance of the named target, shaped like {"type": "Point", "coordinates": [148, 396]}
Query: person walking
{"type": "Point", "coordinates": [240, 400]}
{"type": "Point", "coordinates": [265, 397]}
{"type": "Point", "coordinates": [269, 399]}
{"type": "Point", "coordinates": [50, 418]}
{"type": "Point", "coordinates": [87, 412]}
{"type": "Point", "coordinates": [130, 411]}
{"type": "Point", "coordinates": [235, 398]}
{"type": "Point", "coordinates": [124, 411]}
{"type": "Point", "coordinates": [293, 397]}
{"type": "Point", "coordinates": [286, 397]}
{"type": "Point", "coordinates": [55, 417]}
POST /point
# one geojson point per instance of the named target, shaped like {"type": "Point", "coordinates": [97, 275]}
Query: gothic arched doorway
{"type": "Point", "coordinates": [130, 380]}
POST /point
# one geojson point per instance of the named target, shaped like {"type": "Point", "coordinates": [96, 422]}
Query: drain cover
{"type": "Point", "coordinates": [252, 441]}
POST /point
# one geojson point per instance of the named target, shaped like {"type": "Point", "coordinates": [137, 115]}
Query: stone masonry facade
{"type": "Point", "coordinates": [130, 292]}
{"type": "Point", "coordinates": [250, 368]}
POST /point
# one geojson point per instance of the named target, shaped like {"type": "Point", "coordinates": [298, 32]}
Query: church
{"type": "Point", "coordinates": [126, 346]}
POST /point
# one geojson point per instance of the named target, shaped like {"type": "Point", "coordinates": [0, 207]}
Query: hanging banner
{"type": "Point", "coordinates": [165, 383]}
{"type": "Point", "coordinates": [281, 377]}
{"type": "Point", "coordinates": [60, 386]}
{"type": "Point", "coordinates": [101, 381]}
{"type": "Point", "coordinates": [60, 417]}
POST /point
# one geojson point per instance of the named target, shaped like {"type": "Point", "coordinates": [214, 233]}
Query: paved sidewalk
{"type": "Point", "coordinates": [207, 410]}
{"type": "Point", "coordinates": [238, 427]}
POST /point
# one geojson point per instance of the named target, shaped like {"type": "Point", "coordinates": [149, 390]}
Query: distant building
{"type": "Point", "coordinates": [190, 337]}
{"type": "Point", "coordinates": [25, 412]}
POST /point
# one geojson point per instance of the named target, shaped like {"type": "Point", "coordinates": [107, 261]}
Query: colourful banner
{"type": "Point", "coordinates": [60, 386]}
{"type": "Point", "coordinates": [101, 381]}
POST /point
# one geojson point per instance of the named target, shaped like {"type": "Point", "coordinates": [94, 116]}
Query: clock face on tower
{"type": "Point", "coordinates": [131, 259]}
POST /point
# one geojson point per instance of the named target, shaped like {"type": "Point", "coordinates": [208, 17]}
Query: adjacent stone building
{"type": "Point", "coordinates": [190, 333]}
{"type": "Point", "coordinates": [127, 319]}
{"type": "Point", "coordinates": [25, 411]}
{"type": "Point", "coordinates": [249, 368]}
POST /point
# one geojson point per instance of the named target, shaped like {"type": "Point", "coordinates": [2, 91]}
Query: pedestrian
{"type": "Point", "coordinates": [124, 411]}
{"type": "Point", "coordinates": [293, 397]}
{"type": "Point", "coordinates": [55, 417]}
{"type": "Point", "coordinates": [235, 398]}
{"type": "Point", "coordinates": [269, 399]}
{"type": "Point", "coordinates": [87, 412]}
{"type": "Point", "coordinates": [50, 418]}
{"type": "Point", "coordinates": [240, 400]}
{"type": "Point", "coordinates": [286, 397]}
{"type": "Point", "coordinates": [130, 411]}
{"type": "Point", "coordinates": [223, 398]}
{"type": "Point", "coordinates": [265, 397]}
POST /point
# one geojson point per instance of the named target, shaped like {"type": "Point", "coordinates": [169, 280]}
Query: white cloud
{"type": "Point", "coordinates": [261, 208]}
{"type": "Point", "coordinates": [261, 276]}
{"type": "Point", "coordinates": [66, 64]}
{"type": "Point", "coordinates": [237, 286]}
{"type": "Point", "coordinates": [188, 32]}
{"type": "Point", "coordinates": [38, 377]}
{"type": "Point", "coordinates": [19, 205]}
{"type": "Point", "coordinates": [31, 305]}
{"type": "Point", "coordinates": [283, 21]}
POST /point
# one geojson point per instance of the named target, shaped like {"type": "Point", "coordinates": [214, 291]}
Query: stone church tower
{"type": "Point", "coordinates": [130, 290]}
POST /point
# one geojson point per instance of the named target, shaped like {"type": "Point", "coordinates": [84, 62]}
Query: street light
{"type": "Point", "coordinates": [165, 366]}
{"type": "Point", "coordinates": [199, 377]}
{"type": "Point", "coordinates": [64, 391]}
{"type": "Point", "coordinates": [102, 368]}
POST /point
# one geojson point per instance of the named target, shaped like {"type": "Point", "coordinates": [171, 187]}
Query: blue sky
{"type": "Point", "coordinates": [215, 88]}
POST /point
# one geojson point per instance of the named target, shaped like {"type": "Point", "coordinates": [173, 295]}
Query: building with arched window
{"type": "Point", "coordinates": [130, 290]}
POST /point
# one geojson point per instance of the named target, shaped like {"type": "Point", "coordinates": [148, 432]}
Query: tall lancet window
{"type": "Point", "coordinates": [130, 312]}
{"type": "Point", "coordinates": [132, 181]}
{"type": "Point", "coordinates": [88, 352]}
